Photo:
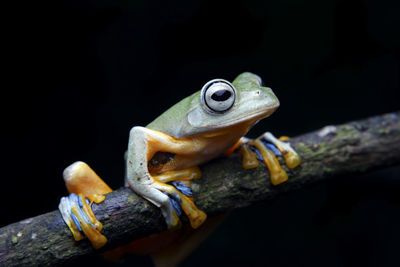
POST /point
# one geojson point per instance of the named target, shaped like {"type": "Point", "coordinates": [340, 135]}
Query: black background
{"type": "Point", "coordinates": [78, 75]}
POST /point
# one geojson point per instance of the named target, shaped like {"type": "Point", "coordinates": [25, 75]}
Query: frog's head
{"type": "Point", "coordinates": [223, 104]}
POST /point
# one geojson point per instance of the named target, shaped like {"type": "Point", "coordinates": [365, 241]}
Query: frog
{"type": "Point", "coordinates": [164, 157]}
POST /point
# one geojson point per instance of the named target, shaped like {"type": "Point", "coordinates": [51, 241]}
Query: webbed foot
{"type": "Point", "coordinates": [79, 217]}
{"type": "Point", "coordinates": [176, 185]}
{"type": "Point", "coordinates": [267, 148]}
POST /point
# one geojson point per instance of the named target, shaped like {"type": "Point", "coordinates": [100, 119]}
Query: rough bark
{"type": "Point", "coordinates": [354, 147]}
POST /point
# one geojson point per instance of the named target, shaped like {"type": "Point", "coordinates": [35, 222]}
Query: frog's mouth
{"type": "Point", "coordinates": [250, 117]}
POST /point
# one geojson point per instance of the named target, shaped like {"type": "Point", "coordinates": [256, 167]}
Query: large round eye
{"type": "Point", "coordinates": [218, 95]}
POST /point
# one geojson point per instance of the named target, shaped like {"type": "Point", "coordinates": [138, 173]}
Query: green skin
{"type": "Point", "coordinates": [194, 132]}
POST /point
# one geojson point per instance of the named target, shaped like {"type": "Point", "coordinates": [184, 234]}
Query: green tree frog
{"type": "Point", "coordinates": [163, 157]}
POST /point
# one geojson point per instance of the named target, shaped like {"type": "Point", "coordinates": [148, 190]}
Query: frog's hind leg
{"type": "Point", "coordinates": [81, 181]}
{"type": "Point", "coordinates": [292, 159]}
{"type": "Point", "coordinates": [267, 148]}
{"type": "Point", "coordinates": [277, 174]}
{"type": "Point", "coordinates": [249, 158]}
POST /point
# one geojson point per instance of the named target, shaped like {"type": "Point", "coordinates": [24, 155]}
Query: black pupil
{"type": "Point", "coordinates": [221, 95]}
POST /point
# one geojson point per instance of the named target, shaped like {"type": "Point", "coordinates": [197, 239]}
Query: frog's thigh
{"type": "Point", "coordinates": [196, 216]}
{"type": "Point", "coordinates": [292, 159]}
{"type": "Point", "coordinates": [81, 179]}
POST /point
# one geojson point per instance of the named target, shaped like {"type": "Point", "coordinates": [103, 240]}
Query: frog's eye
{"type": "Point", "coordinates": [218, 95]}
{"type": "Point", "coordinates": [259, 80]}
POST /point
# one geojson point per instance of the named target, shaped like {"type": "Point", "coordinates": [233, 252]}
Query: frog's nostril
{"type": "Point", "coordinates": [258, 92]}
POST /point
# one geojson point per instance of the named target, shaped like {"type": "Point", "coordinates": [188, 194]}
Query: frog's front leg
{"type": "Point", "coordinates": [268, 148]}
{"type": "Point", "coordinates": [143, 144]}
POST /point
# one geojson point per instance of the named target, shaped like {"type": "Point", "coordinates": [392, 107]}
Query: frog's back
{"type": "Point", "coordinates": [173, 119]}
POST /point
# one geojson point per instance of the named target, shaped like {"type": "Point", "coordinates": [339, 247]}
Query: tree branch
{"type": "Point", "coordinates": [354, 147]}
